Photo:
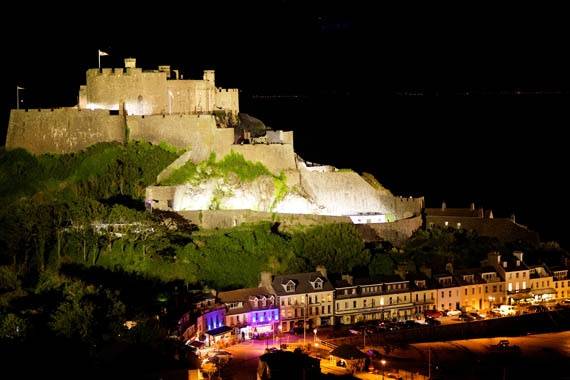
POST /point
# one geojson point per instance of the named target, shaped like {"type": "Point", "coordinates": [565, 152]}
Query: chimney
{"type": "Point", "coordinates": [449, 267]}
{"type": "Point", "coordinates": [518, 255]}
{"type": "Point", "coordinates": [504, 264]}
{"type": "Point", "coordinates": [472, 206]}
{"type": "Point", "coordinates": [347, 278]}
{"type": "Point", "coordinates": [491, 214]}
{"type": "Point", "coordinates": [443, 206]}
{"type": "Point", "coordinates": [322, 270]}
{"type": "Point", "coordinates": [266, 280]}
{"type": "Point", "coordinates": [518, 263]}
{"type": "Point", "coordinates": [513, 219]}
{"type": "Point", "coordinates": [130, 63]}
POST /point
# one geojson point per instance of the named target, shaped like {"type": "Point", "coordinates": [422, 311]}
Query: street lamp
{"type": "Point", "coordinates": [383, 362]}
{"type": "Point", "coordinates": [315, 337]}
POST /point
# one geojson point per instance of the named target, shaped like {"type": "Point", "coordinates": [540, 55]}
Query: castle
{"type": "Point", "coordinates": [129, 103]}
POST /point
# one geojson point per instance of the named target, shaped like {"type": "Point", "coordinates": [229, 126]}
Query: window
{"type": "Point", "coordinates": [517, 275]}
{"type": "Point", "coordinates": [510, 286]}
{"type": "Point", "coordinates": [329, 309]}
{"type": "Point", "coordinates": [346, 305]}
{"type": "Point", "coordinates": [289, 301]}
{"type": "Point", "coordinates": [353, 303]}
{"type": "Point", "coordinates": [390, 300]}
{"type": "Point", "coordinates": [524, 274]}
{"type": "Point", "coordinates": [487, 289]}
{"type": "Point", "coordinates": [450, 293]}
{"type": "Point", "coordinates": [472, 291]}
{"type": "Point", "coordinates": [323, 309]}
{"type": "Point", "coordinates": [282, 302]}
{"type": "Point", "coordinates": [363, 303]}
{"type": "Point", "coordinates": [417, 297]}
{"type": "Point", "coordinates": [465, 291]}
{"type": "Point", "coordinates": [442, 294]}
{"type": "Point", "coordinates": [290, 287]}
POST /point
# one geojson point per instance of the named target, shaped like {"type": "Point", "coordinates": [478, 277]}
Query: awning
{"type": "Point", "coordinates": [219, 331]}
{"type": "Point", "coordinates": [539, 292]}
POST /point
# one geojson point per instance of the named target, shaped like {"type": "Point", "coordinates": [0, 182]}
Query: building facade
{"type": "Point", "coordinates": [251, 312]}
{"type": "Point", "coordinates": [305, 299]}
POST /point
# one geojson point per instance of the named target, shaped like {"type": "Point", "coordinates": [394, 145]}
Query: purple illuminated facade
{"type": "Point", "coordinates": [251, 312]}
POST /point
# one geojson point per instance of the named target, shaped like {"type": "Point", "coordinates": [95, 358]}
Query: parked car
{"type": "Point", "coordinates": [476, 315]}
{"type": "Point", "coordinates": [433, 322]}
{"type": "Point", "coordinates": [433, 314]}
{"type": "Point", "coordinates": [454, 313]}
{"type": "Point", "coordinates": [220, 354]}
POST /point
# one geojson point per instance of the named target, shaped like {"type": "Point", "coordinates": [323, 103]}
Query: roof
{"type": "Point", "coordinates": [388, 278]}
{"type": "Point", "coordinates": [343, 284]}
{"type": "Point", "coordinates": [348, 352]}
{"type": "Point", "coordinates": [219, 331]}
{"type": "Point", "coordinates": [464, 212]}
{"type": "Point", "coordinates": [302, 283]}
{"type": "Point", "coordinates": [243, 294]}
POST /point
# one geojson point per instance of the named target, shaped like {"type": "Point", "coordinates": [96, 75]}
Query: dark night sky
{"type": "Point", "coordinates": [426, 101]}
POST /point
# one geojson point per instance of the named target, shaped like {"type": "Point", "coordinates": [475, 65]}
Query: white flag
{"type": "Point", "coordinates": [102, 53]}
{"type": "Point", "coordinates": [20, 88]}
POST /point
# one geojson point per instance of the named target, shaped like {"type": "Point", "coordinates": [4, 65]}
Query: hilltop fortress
{"type": "Point", "coordinates": [159, 106]}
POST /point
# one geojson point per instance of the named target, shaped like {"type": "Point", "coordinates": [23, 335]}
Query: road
{"type": "Point", "coordinates": [544, 355]}
{"type": "Point", "coordinates": [245, 357]}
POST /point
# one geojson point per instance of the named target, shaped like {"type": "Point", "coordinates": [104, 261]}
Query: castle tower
{"type": "Point", "coordinates": [130, 63]}
{"type": "Point", "coordinates": [210, 76]}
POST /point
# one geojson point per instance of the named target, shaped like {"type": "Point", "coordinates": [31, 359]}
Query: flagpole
{"type": "Point", "coordinates": [99, 58]}
{"type": "Point", "coordinates": [17, 97]}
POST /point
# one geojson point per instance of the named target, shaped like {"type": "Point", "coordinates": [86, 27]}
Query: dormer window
{"type": "Point", "coordinates": [289, 286]}
{"type": "Point", "coordinates": [317, 284]}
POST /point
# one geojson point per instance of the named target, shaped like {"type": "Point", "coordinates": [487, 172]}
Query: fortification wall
{"type": "Point", "coordinates": [62, 130]}
{"type": "Point", "coordinates": [197, 133]}
{"type": "Point", "coordinates": [275, 157]}
{"type": "Point", "coordinates": [160, 197]}
{"type": "Point", "coordinates": [143, 93]}
{"type": "Point", "coordinates": [403, 207]}
{"type": "Point", "coordinates": [227, 99]}
{"type": "Point", "coordinates": [343, 193]}
{"type": "Point", "coordinates": [395, 232]}
{"type": "Point", "coordinates": [232, 218]}
{"type": "Point", "coordinates": [191, 96]}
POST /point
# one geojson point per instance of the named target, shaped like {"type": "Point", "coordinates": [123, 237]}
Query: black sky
{"type": "Point", "coordinates": [459, 105]}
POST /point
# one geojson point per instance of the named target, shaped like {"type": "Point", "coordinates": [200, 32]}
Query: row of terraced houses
{"type": "Point", "coordinates": [284, 302]}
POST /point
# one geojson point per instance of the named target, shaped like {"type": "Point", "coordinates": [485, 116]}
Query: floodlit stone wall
{"type": "Point", "coordinates": [62, 130]}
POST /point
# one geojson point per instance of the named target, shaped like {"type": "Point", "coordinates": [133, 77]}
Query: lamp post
{"type": "Point", "coordinates": [383, 362]}
{"type": "Point", "coordinates": [279, 327]}
{"type": "Point", "coordinates": [315, 337]}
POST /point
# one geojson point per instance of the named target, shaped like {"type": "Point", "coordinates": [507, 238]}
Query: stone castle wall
{"type": "Point", "coordinates": [395, 232]}
{"type": "Point", "coordinates": [275, 157]}
{"type": "Point", "coordinates": [343, 193]}
{"type": "Point", "coordinates": [197, 133]}
{"type": "Point", "coordinates": [142, 93]}
{"type": "Point", "coordinates": [62, 130]}
{"type": "Point", "coordinates": [151, 92]}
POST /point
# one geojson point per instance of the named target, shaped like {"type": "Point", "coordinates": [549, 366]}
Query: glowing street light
{"type": "Point", "coordinates": [315, 337]}
{"type": "Point", "coordinates": [383, 362]}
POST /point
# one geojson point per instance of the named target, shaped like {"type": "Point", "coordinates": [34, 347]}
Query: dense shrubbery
{"type": "Point", "coordinates": [231, 164]}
